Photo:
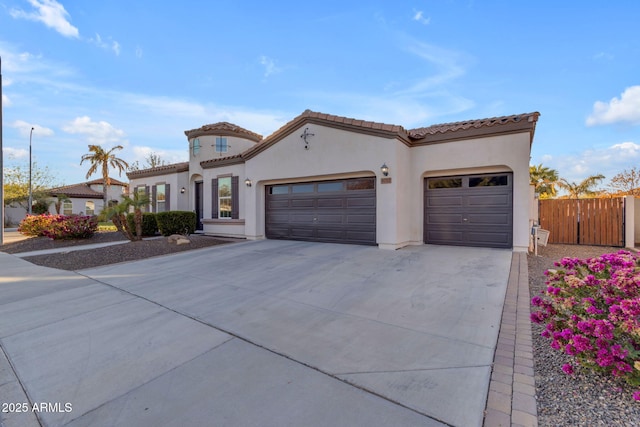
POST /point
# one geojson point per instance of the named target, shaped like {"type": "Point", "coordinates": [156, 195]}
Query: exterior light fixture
{"type": "Point", "coordinates": [247, 182]}
{"type": "Point", "coordinates": [182, 190]}
{"type": "Point", "coordinates": [384, 169]}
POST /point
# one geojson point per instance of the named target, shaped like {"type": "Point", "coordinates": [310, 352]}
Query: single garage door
{"type": "Point", "coordinates": [340, 211]}
{"type": "Point", "coordinates": [469, 210]}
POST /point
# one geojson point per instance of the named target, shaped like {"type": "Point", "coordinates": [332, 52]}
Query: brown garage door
{"type": "Point", "coordinates": [469, 210]}
{"type": "Point", "coordinates": [342, 211]}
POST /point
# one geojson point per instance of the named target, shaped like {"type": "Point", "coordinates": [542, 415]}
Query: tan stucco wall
{"type": "Point", "coordinates": [338, 153]}
{"type": "Point", "coordinates": [177, 200]}
{"type": "Point", "coordinates": [207, 150]}
{"type": "Point", "coordinates": [507, 153]}
{"type": "Point", "coordinates": [223, 227]}
{"type": "Point", "coordinates": [332, 154]}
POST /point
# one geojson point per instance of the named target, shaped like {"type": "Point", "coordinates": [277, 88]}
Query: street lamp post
{"type": "Point", "coordinates": [30, 165]}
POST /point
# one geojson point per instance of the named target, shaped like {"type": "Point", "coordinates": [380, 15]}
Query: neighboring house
{"type": "Point", "coordinates": [327, 178]}
{"type": "Point", "coordinates": [85, 198]}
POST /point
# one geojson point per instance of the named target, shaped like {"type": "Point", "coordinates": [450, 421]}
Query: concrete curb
{"type": "Point", "coordinates": [511, 400]}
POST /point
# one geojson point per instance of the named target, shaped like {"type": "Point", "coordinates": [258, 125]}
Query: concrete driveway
{"type": "Point", "coordinates": [268, 333]}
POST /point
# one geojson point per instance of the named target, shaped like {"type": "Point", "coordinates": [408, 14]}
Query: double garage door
{"type": "Point", "coordinates": [340, 211]}
{"type": "Point", "coordinates": [465, 210]}
{"type": "Point", "coordinates": [469, 210]}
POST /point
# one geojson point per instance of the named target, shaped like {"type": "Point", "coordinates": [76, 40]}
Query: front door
{"type": "Point", "coordinates": [199, 204]}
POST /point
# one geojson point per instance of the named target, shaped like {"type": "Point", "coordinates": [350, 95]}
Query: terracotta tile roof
{"type": "Point", "coordinates": [159, 170]}
{"type": "Point", "coordinates": [83, 189]}
{"type": "Point", "coordinates": [223, 128]}
{"type": "Point", "coordinates": [222, 161]}
{"type": "Point", "coordinates": [471, 127]}
{"type": "Point", "coordinates": [113, 182]}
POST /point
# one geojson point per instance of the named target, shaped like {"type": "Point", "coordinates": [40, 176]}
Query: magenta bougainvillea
{"type": "Point", "coordinates": [591, 309]}
{"type": "Point", "coordinates": [59, 226]}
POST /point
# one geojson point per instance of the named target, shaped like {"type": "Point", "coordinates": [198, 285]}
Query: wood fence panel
{"type": "Point", "coordinates": [584, 221]}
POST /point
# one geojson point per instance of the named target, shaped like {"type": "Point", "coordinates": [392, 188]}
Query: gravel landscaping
{"type": "Point", "coordinates": [585, 398]}
{"type": "Point", "coordinates": [87, 258]}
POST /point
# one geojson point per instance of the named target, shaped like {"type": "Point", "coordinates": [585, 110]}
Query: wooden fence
{"type": "Point", "coordinates": [584, 221]}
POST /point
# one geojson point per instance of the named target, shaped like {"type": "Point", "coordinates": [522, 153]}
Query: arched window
{"type": "Point", "coordinates": [89, 207]}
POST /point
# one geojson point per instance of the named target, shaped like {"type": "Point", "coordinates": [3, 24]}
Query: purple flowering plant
{"type": "Point", "coordinates": [59, 226]}
{"type": "Point", "coordinates": [591, 309]}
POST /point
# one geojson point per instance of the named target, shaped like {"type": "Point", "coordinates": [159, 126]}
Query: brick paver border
{"type": "Point", "coordinates": [511, 399]}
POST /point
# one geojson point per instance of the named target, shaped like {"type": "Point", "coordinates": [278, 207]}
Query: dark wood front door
{"type": "Point", "coordinates": [198, 204]}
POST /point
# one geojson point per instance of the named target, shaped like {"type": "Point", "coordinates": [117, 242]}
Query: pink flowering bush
{"type": "Point", "coordinates": [59, 226]}
{"type": "Point", "coordinates": [592, 312]}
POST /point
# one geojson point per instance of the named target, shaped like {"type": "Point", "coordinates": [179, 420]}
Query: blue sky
{"type": "Point", "coordinates": [140, 73]}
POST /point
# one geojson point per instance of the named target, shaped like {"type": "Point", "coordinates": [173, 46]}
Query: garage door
{"type": "Point", "coordinates": [469, 210]}
{"type": "Point", "coordinates": [341, 211]}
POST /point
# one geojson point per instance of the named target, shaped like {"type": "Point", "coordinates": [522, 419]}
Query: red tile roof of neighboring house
{"type": "Point", "coordinates": [223, 129]}
{"type": "Point", "coordinates": [83, 189]}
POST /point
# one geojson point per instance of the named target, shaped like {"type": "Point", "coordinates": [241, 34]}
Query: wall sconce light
{"type": "Point", "coordinates": [182, 190]}
{"type": "Point", "coordinates": [247, 182]}
{"type": "Point", "coordinates": [384, 169]}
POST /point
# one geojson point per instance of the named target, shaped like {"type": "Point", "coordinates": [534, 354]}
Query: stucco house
{"type": "Point", "coordinates": [84, 198]}
{"type": "Point", "coordinates": [328, 178]}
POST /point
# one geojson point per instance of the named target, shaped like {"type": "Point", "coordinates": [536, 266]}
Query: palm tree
{"type": "Point", "coordinates": [544, 179]}
{"type": "Point", "coordinates": [118, 215]}
{"type": "Point", "coordinates": [99, 158]}
{"type": "Point", "coordinates": [584, 187]}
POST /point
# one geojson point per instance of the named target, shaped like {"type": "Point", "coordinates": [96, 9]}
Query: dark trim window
{"type": "Point", "coordinates": [445, 183]}
{"type": "Point", "coordinates": [195, 146]}
{"type": "Point", "coordinates": [143, 192]}
{"type": "Point", "coordinates": [225, 201]}
{"type": "Point", "coordinates": [221, 144]}
{"type": "Point", "coordinates": [488, 181]}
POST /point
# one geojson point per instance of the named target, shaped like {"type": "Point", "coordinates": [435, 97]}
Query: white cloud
{"type": "Point", "coordinates": [410, 104]}
{"type": "Point", "coordinates": [419, 17]}
{"type": "Point", "coordinates": [50, 13]}
{"type": "Point", "coordinates": [139, 52]}
{"type": "Point", "coordinates": [269, 66]}
{"type": "Point", "coordinates": [605, 56]}
{"type": "Point", "coordinates": [15, 153]}
{"type": "Point", "coordinates": [96, 132]}
{"type": "Point", "coordinates": [6, 102]}
{"type": "Point", "coordinates": [625, 109]}
{"type": "Point", "coordinates": [141, 153]}
{"type": "Point", "coordinates": [25, 129]}
{"type": "Point", "coordinates": [608, 161]}
{"type": "Point", "coordinates": [109, 44]}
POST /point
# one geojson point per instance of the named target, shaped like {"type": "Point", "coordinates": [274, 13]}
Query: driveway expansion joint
{"type": "Point", "coordinates": [243, 339]}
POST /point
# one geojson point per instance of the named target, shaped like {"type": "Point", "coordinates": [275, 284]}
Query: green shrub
{"type": "Point", "coordinates": [149, 224]}
{"type": "Point", "coordinates": [40, 207]}
{"type": "Point", "coordinates": [176, 222]}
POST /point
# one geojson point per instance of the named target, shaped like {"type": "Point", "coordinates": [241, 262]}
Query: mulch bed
{"type": "Point", "coordinates": [585, 398]}
{"type": "Point", "coordinates": [74, 259]}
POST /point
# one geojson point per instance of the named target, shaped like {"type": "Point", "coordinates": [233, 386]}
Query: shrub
{"type": "Point", "coordinates": [40, 207]}
{"type": "Point", "coordinates": [59, 226]}
{"type": "Point", "coordinates": [176, 222]}
{"type": "Point", "coordinates": [149, 224]}
{"type": "Point", "coordinates": [35, 225]}
{"type": "Point", "coordinates": [592, 312]}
